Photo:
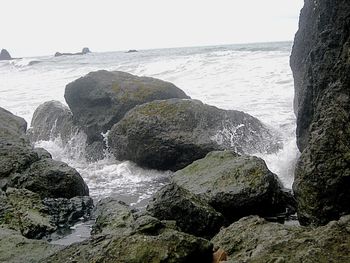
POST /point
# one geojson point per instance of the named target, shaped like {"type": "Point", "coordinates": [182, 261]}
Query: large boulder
{"type": "Point", "coordinates": [192, 215]}
{"type": "Point", "coordinates": [100, 99]}
{"type": "Point", "coordinates": [253, 239]}
{"type": "Point", "coordinates": [320, 62]}
{"type": "Point", "coordinates": [234, 185]}
{"type": "Point", "coordinates": [30, 178]}
{"type": "Point", "coordinates": [50, 178]}
{"type": "Point", "coordinates": [14, 248]}
{"type": "Point", "coordinates": [50, 120]}
{"type": "Point", "coordinates": [5, 55]}
{"type": "Point", "coordinates": [170, 134]}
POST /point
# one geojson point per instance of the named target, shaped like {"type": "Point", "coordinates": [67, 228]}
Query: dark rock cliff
{"type": "Point", "coordinates": [320, 62]}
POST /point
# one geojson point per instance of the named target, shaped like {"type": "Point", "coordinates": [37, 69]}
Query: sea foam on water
{"type": "Point", "coordinates": [254, 78]}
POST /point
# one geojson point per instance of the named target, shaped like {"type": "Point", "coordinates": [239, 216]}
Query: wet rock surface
{"type": "Point", "coordinates": [235, 185]}
{"type": "Point", "coordinates": [320, 64]}
{"type": "Point", "coordinates": [50, 120]}
{"type": "Point", "coordinates": [192, 214]}
{"type": "Point", "coordinates": [170, 134]}
{"type": "Point", "coordinates": [253, 239]}
{"type": "Point", "coordinates": [100, 99]}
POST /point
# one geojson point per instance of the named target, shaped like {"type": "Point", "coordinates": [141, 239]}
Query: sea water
{"type": "Point", "coordinates": [254, 78]}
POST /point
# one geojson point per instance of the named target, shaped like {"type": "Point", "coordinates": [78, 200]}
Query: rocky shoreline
{"type": "Point", "coordinates": [222, 204]}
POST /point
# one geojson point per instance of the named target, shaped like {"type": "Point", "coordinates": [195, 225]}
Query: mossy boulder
{"type": "Point", "coordinates": [170, 134]}
{"type": "Point", "coordinates": [100, 99]}
{"type": "Point", "coordinates": [320, 62]}
{"type": "Point", "coordinates": [170, 246]}
{"type": "Point", "coordinates": [112, 215]}
{"type": "Point", "coordinates": [51, 120]}
{"type": "Point", "coordinates": [253, 239]}
{"type": "Point", "coordinates": [14, 248]}
{"type": "Point", "coordinates": [234, 185]}
{"type": "Point", "coordinates": [192, 215]}
{"type": "Point", "coordinates": [24, 211]}
{"type": "Point", "coordinates": [50, 178]}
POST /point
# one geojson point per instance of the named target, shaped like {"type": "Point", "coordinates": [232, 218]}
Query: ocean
{"type": "Point", "coordinates": [254, 78]}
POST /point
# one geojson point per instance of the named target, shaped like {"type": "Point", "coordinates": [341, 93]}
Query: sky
{"type": "Point", "coordinates": [42, 27]}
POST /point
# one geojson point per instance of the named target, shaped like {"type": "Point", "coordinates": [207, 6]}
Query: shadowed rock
{"type": "Point", "coordinates": [321, 65]}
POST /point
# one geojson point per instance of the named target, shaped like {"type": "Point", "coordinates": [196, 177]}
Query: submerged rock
{"type": "Point", "coordinates": [252, 239]}
{"type": "Point", "coordinates": [192, 215]}
{"type": "Point", "coordinates": [170, 134]}
{"type": "Point", "coordinates": [234, 185]}
{"type": "Point", "coordinates": [50, 120]}
{"type": "Point", "coordinates": [5, 55]}
{"type": "Point", "coordinates": [100, 99]}
{"type": "Point", "coordinates": [321, 66]}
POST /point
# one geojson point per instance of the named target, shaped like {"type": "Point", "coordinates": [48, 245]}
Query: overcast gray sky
{"type": "Point", "coordinates": [42, 27]}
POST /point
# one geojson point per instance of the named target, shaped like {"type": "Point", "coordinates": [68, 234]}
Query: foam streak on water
{"type": "Point", "coordinates": [253, 78]}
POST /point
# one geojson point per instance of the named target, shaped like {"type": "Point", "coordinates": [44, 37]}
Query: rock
{"type": "Point", "coordinates": [100, 99]}
{"type": "Point", "coordinates": [252, 239]}
{"type": "Point", "coordinates": [171, 134]}
{"type": "Point", "coordinates": [148, 225]}
{"type": "Point", "coordinates": [170, 246]}
{"type": "Point", "coordinates": [50, 178]}
{"type": "Point", "coordinates": [5, 55]}
{"type": "Point", "coordinates": [14, 248]}
{"type": "Point", "coordinates": [25, 212]}
{"type": "Point", "coordinates": [50, 120]}
{"type": "Point", "coordinates": [132, 51]}
{"type": "Point", "coordinates": [112, 215]}
{"type": "Point", "coordinates": [65, 212]}
{"type": "Point", "coordinates": [234, 185]}
{"type": "Point", "coordinates": [192, 215]}
{"type": "Point", "coordinates": [320, 63]}
{"type": "Point", "coordinates": [85, 50]}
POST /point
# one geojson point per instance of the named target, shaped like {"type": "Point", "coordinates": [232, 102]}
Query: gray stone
{"type": "Point", "coordinates": [253, 239]}
{"type": "Point", "coordinates": [321, 66]}
{"type": "Point", "coordinates": [14, 248]}
{"type": "Point", "coordinates": [192, 215]}
{"type": "Point", "coordinates": [234, 185]}
{"type": "Point", "coordinates": [100, 99]}
{"type": "Point", "coordinates": [171, 134]}
{"type": "Point", "coordinates": [50, 120]}
{"type": "Point", "coordinates": [5, 55]}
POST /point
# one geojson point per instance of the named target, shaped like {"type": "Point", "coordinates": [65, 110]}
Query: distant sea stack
{"type": "Point", "coordinates": [5, 55]}
{"type": "Point", "coordinates": [132, 51]}
{"type": "Point", "coordinates": [320, 62]}
{"type": "Point", "coordinates": [85, 50]}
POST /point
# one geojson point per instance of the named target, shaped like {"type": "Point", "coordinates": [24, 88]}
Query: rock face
{"type": "Point", "coordinates": [170, 134]}
{"type": "Point", "coordinates": [234, 185]}
{"type": "Point", "coordinates": [14, 248]}
{"type": "Point", "coordinates": [320, 64]}
{"type": "Point", "coordinates": [5, 55]}
{"type": "Point", "coordinates": [100, 99]}
{"type": "Point", "coordinates": [192, 215]}
{"type": "Point", "coordinates": [119, 236]}
{"type": "Point", "coordinates": [253, 239]}
{"type": "Point", "coordinates": [170, 246]}
{"type": "Point", "coordinates": [29, 178]}
{"type": "Point", "coordinates": [50, 120]}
